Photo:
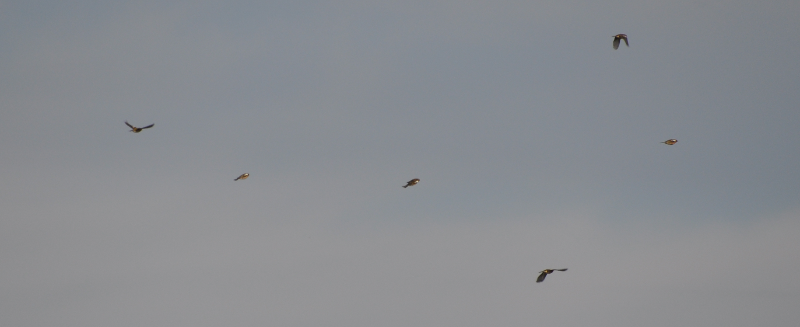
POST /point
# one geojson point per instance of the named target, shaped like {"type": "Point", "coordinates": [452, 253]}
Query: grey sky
{"type": "Point", "coordinates": [536, 143]}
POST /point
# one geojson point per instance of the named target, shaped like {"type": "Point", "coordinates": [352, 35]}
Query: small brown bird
{"type": "Point", "coordinates": [670, 141]}
{"type": "Point", "coordinates": [242, 176]}
{"type": "Point", "coordinates": [620, 37]}
{"type": "Point", "coordinates": [137, 129]}
{"type": "Point", "coordinates": [412, 182]}
{"type": "Point", "coordinates": [545, 272]}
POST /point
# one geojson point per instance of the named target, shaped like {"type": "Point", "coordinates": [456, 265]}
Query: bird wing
{"type": "Point", "coordinates": [626, 41]}
{"type": "Point", "coordinates": [129, 125]}
{"type": "Point", "coordinates": [151, 125]}
{"type": "Point", "coordinates": [565, 269]}
{"type": "Point", "coordinates": [616, 43]}
{"type": "Point", "coordinates": [541, 277]}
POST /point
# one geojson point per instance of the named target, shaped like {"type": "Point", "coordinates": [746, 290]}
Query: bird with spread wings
{"type": "Point", "coordinates": [545, 272]}
{"type": "Point", "coordinates": [137, 129]}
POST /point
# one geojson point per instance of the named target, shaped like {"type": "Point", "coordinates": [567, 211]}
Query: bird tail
{"type": "Point", "coordinates": [404, 186]}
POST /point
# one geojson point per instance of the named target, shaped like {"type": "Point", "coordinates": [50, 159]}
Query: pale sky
{"type": "Point", "coordinates": [537, 146]}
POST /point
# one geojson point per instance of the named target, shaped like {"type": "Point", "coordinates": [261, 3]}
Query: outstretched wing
{"type": "Point", "coordinates": [129, 125]}
{"type": "Point", "coordinates": [565, 269]}
{"type": "Point", "coordinates": [541, 277]}
{"type": "Point", "coordinates": [626, 41]}
{"type": "Point", "coordinates": [616, 42]}
{"type": "Point", "coordinates": [151, 125]}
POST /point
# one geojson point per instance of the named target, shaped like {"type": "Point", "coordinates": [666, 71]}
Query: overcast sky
{"type": "Point", "coordinates": [537, 146]}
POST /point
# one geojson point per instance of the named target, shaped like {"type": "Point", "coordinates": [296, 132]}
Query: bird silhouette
{"type": "Point", "coordinates": [242, 176]}
{"type": "Point", "coordinates": [620, 37]}
{"type": "Point", "coordinates": [545, 272]}
{"type": "Point", "coordinates": [670, 141]}
{"type": "Point", "coordinates": [412, 182]}
{"type": "Point", "coordinates": [137, 129]}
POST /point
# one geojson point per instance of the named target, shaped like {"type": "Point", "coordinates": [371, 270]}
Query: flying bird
{"type": "Point", "coordinates": [137, 129]}
{"type": "Point", "coordinates": [242, 176]}
{"type": "Point", "coordinates": [620, 37]}
{"type": "Point", "coordinates": [670, 141]}
{"type": "Point", "coordinates": [412, 182]}
{"type": "Point", "coordinates": [544, 273]}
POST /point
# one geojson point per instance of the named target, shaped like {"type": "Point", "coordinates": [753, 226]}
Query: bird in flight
{"type": "Point", "coordinates": [411, 182]}
{"type": "Point", "coordinates": [620, 37]}
{"type": "Point", "coordinates": [670, 141]}
{"type": "Point", "coordinates": [242, 176]}
{"type": "Point", "coordinates": [545, 272]}
{"type": "Point", "coordinates": [137, 129]}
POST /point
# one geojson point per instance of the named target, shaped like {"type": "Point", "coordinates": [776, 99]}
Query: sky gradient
{"type": "Point", "coordinates": [536, 143]}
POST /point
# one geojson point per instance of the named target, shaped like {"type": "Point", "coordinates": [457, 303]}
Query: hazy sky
{"type": "Point", "coordinates": [537, 145]}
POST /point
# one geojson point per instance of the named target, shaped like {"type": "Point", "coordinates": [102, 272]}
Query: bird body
{"type": "Point", "coordinates": [411, 182]}
{"type": "Point", "coordinates": [242, 176]}
{"type": "Point", "coordinates": [670, 141]}
{"type": "Point", "coordinates": [544, 273]}
{"type": "Point", "coordinates": [137, 129]}
{"type": "Point", "coordinates": [618, 37]}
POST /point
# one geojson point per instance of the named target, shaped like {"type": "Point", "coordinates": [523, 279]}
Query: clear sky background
{"type": "Point", "coordinates": [537, 145]}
